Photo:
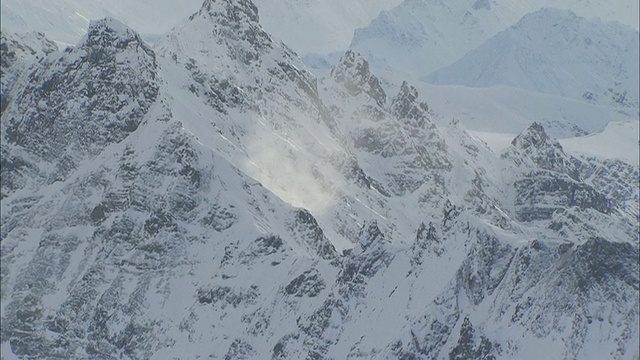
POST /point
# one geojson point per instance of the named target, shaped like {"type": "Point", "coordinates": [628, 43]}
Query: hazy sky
{"type": "Point", "coordinates": [329, 30]}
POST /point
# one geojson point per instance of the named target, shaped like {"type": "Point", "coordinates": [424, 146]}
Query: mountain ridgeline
{"type": "Point", "coordinates": [209, 197]}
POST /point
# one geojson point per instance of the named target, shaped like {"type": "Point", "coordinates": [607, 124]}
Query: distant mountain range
{"type": "Point", "coordinates": [420, 36]}
{"type": "Point", "coordinates": [555, 52]}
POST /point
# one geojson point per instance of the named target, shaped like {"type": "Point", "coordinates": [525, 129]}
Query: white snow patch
{"type": "Point", "coordinates": [618, 140]}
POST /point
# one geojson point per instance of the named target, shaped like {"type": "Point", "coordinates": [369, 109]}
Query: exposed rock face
{"type": "Point", "coordinates": [353, 72]}
{"type": "Point", "coordinates": [556, 185]}
{"type": "Point", "coordinates": [236, 21]}
{"type": "Point", "coordinates": [406, 105]}
{"type": "Point", "coordinates": [401, 134]}
{"type": "Point", "coordinates": [535, 55]}
{"type": "Point", "coordinates": [77, 103]}
{"type": "Point", "coordinates": [18, 53]}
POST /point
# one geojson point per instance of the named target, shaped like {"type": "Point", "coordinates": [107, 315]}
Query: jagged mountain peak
{"type": "Point", "coordinates": [17, 53]}
{"type": "Point", "coordinates": [170, 209]}
{"type": "Point", "coordinates": [533, 147]}
{"type": "Point", "coordinates": [98, 91]}
{"type": "Point", "coordinates": [407, 105]}
{"type": "Point", "coordinates": [109, 32]}
{"type": "Point", "coordinates": [549, 182]}
{"type": "Point", "coordinates": [533, 136]}
{"type": "Point", "coordinates": [353, 72]}
{"type": "Point", "coordinates": [234, 11]}
{"type": "Point", "coordinates": [220, 28]}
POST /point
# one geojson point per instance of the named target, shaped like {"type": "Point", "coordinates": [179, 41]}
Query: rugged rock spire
{"type": "Point", "coordinates": [234, 11]}
{"type": "Point", "coordinates": [234, 23]}
{"type": "Point", "coordinates": [534, 147]}
{"type": "Point", "coordinates": [353, 72]}
{"type": "Point", "coordinates": [408, 107]}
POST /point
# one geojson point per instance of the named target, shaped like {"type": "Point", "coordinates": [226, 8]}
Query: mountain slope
{"type": "Point", "coordinates": [555, 52]}
{"type": "Point", "coordinates": [18, 53]}
{"type": "Point", "coordinates": [145, 212]}
{"type": "Point", "coordinates": [180, 236]}
{"type": "Point", "coordinates": [420, 36]}
{"type": "Point", "coordinates": [37, 125]}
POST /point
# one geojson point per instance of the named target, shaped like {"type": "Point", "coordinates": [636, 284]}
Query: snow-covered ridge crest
{"type": "Point", "coordinates": [236, 11]}
{"type": "Point", "coordinates": [230, 24]}
{"type": "Point", "coordinates": [353, 72]}
{"type": "Point", "coordinates": [110, 32]}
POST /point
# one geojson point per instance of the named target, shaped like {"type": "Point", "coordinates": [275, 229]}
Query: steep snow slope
{"type": "Point", "coordinates": [137, 236]}
{"type": "Point", "coordinates": [555, 52]}
{"type": "Point", "coordinates": [421, 36]}
{"type": "Point", "coordinates": [167, 228]}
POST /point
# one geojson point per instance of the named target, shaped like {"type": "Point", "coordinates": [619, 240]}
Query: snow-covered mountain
{"type": "Point", "coordinates": [555, 52]}
{"type": "Point", "coordinates": [306, 26]}
{"type": "Point", "coordinates": [67, 21]}
{"type": "Point", "coordinates": [621, 139]}
{"type": "Point", "coordinates": [318, 26]}
{"type": "Point", "coordinates": [209, 197]}
{"type": "Point", "coordinates": [420, 36]}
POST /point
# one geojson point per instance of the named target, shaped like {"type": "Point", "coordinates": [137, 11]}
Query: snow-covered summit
{"type": "Point", "coordinates": [109, 31]}
{"type": "Point", "coordinates": [408, 106]}
{"type": "Point", "coordinates": [353, 72]}
{"type": "Point", "coordinates": [67, 21]}
{"type": "Point", "coordinates": [221, 29]}
{"type": "Point", "coordinates": [556, 182]}
{"type": "Point", "coordinates": [555, 52]}
{"type": "Point", "coordinates": [534, 136]}
{"type": "Point", "coordinates": [534, 146]}
{"type": "Point", "coordinates": [209, 198]}
{"type": "Point", "coordinates": [235, 12]}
